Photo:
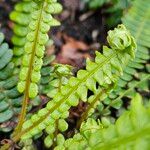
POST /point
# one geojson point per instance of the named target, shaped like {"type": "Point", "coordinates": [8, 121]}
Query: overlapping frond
{"type": "Point", "coordinates": [10, 98]}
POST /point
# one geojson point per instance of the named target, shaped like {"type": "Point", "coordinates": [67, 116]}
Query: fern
{"type": "Point", "coordinates": [53, 77]}
{"type": "Point", "coordinates": [34, 47]}
{"type": "Point", "coordinates": [46, 72]}
{"type": "Point", "coordinates": [12, 99]}
{"type": "Point", "coordinates": [9, 97]}
{"type": "Point", "coordinates": [40, 23]}
{"type": "Point", "coordinates": [137, 21]}
{"type": "Point", "coordinates": [32, 21]}
{"type": "Point", "coordinates": [104, 71]}
{"type": "Point", "coordinates": [5, 67]}
{"type": "Point", "coordinates": [131, 131]}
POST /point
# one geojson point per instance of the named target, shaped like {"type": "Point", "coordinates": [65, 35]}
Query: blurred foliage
{"type": "Point", "coordinates": [94, 4]}
{"type": "Point", "coordinates": [130, 131]}
{"type": "Point", "coordinates": [114, 9]}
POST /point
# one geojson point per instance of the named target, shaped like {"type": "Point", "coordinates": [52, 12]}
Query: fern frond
{"type": "Point", "coordinates": [8, 82]}
{"type": "Point", "coordinates": [53, 76]}
{"type": "Point", "coordinates": [137, 21]}
{"type": "Point", "coordinates": [35, 45]}
{"type": "Point", "coordinates": [32, 61]}
{"type": "Point", "coordinates": [131, 131]}
{"type": "Point", "coordinates": [11, 99]}
{"type": "Point", "coordinates": [116, 101]}
{"type": "Point", "coordinates": [104, 71]}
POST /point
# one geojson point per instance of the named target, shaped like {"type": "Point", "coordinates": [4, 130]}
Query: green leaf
{"type": "Point", "coordinates": [6, 115]}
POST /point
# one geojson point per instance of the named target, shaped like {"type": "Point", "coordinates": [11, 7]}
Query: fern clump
{"type": "Point", "coordinates": [27, 72]}
{"type": "Point", "coordinates": [105, 71]}
{"type": "Point", "coordinates": [131, 131]}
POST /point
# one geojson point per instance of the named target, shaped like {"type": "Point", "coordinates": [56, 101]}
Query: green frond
{"type": "Point", "coordinates": [9, 96]}
{"type": "Point", "coordinates": [131, 131]}
{"type": "Point", "coordinates": [104, 71]}
{"type": "Point", "coordinates": [137, 20]}
{"type": "Point", "coordinates": [40, 23]}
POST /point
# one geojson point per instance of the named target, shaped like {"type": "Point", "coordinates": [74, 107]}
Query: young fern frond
{"type": "Point", "coordinates": [137, 20]}
{"type": "Point", "coordinates": [131, 131]}
{"type": "Point", "coordinates": [59, 77]}
{"type": "Point", "coordinates": [104, 71]}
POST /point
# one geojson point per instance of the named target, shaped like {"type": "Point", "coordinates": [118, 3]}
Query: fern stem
{"type": "Point", "coordinates": [90, 106]}
{"type": "Point", "coordinates": [28, 80]}
{"type": "Point", "coordinates": [85, 114]}
{"type": "Point", "coordinates": [55, 134]}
